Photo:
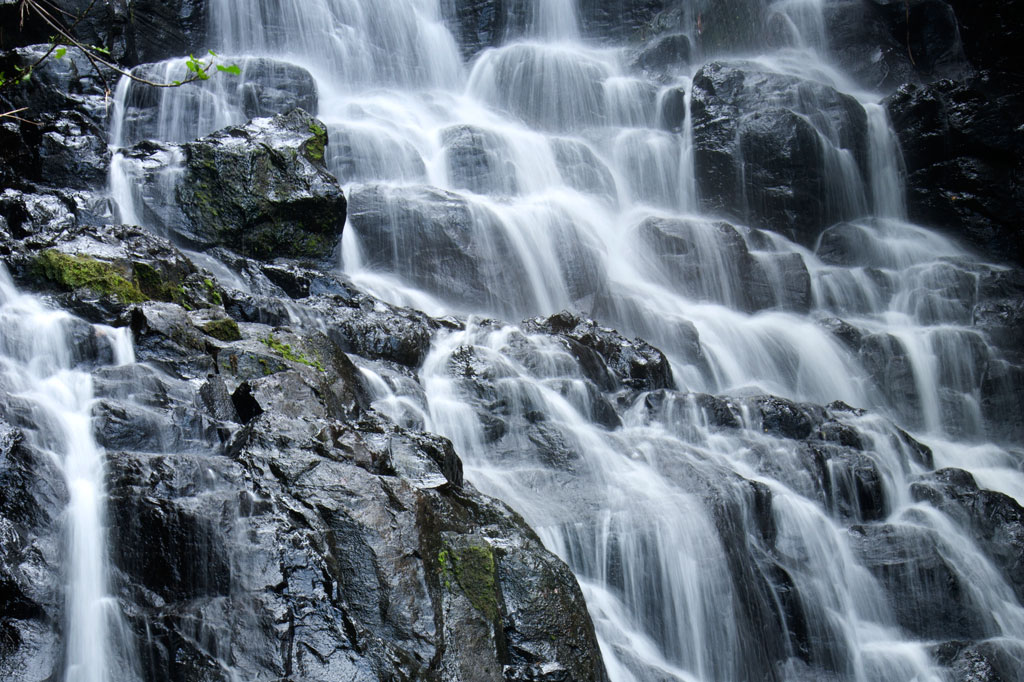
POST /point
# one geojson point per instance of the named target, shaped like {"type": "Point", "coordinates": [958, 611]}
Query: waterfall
{"type": "Point", "coordinates": [570, 177]}
{"type": "Point", "coordinates": [37, 358]}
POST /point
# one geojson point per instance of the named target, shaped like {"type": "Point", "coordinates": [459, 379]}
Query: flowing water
{"type": "Point", "coordinates": [39, 350]}
{"type": "Point", "coordinates": [704, 553]}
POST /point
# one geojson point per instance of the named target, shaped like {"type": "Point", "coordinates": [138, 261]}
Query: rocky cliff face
{"type": "Point", "coordinates": [267, 522]}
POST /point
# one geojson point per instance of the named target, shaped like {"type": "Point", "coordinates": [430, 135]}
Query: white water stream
{"type": "Point", "coordinates": [37, 358]}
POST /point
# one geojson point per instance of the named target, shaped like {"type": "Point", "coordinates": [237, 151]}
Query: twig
{"type": "Point", "coordinates": [906, 5]}
{"type": "Point", "coordinates": [91, 55]}
{"type": "Point", "coordinates": [14, 115]}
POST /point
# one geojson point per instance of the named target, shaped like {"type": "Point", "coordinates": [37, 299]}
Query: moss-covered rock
{"type": "Point", "coordinates": [73, 272]}
{"type": "Point", "coordinates": [260, 189]}
{"type": "Point", "coordinates": [286, 351]}
{"type": "Point", "coordinates": [474, 572]}
{"type": "Point", "coordinates": [224, 329]}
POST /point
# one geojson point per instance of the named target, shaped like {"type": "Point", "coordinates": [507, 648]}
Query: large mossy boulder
{"type": "Point", "coordinates": [260, 189]}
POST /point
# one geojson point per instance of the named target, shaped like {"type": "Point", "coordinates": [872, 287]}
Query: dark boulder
{"type": "Point", "coordinates": [907, 560]}
{"type": "Point", "coordinates": [997, 660]}
{"type": "Point", "coordinates": [479, 160]}
{"type": "Point", "coordinates": [260, 189]}
{"type": "Point", "coordinates": [664, 55]}
{"type": "Point", "coordinates": [375, 330]}
{"type": "Point", "coordinates": [162, 29]}
{"type": "Point", "coordinates": [884, 43]}
{"type": "Point", "coordinates": [995, 520]}
{"type": "Point", "coordinates": [619, 20]}
{"type": "Point", "coordinates": [476, 24]}
{"type": "Point", "coordinates": [740, 278]}
{"type": "Point", "coordinates": [781, 417]}
{"type": "Point", "coordinates": [97, 272]}
{"type": "Point", "coordinates": [634, 364]}
{"type": "Point", "coordinates": [144, 30]}
{"type": "Point", "coordinates": [800, 150]}
{"type": "Point", "coordinates": [991, 32]}
{"type": "Point", "coordinates": [32, 502]}
{"type": "Point", "coordinates": [440, 242]}
{"type": "Point", "coordinates": [963, 159]}
{"type": "Point", "coordinates": [465, 253]}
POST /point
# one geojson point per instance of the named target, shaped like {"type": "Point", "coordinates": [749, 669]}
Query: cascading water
{"type": "Point", "coordinates": [705, 553]}
{"type": "Point", "coordinates": [37, 358]}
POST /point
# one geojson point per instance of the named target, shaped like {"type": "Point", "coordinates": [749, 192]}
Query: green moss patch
{"type": "Point", "coordinates": [84, 272]}
{"type": "Point", "coordinates": [475, 572]}
{"type": "Point", "coordinates": [316, 145]}
{"type": "Point", "coordinates": [155, 287]}
{"type": "Point", "coordinates": [224, 330]}
{"type": "Point", "coordinates": [286, 351]}
{"type": "Point", "coordinates": [211, 292]}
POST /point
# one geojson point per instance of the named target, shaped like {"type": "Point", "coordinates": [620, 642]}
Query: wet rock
{"type": "Point", "coordinates": [581, 169]}
{"type": "Point", "coordinates": [885, 358]}
{"type": "Point", "coordinates": [664, 54]}
{"type": "Point", "coordinates": [158, 29]}
{"type": "Point", "coordinates": [877, 45]}
{"type": "Point", "coordinates": [478, 160]}
{"type": "Point", "coordinates": [792, 151]}
{"type": "Point", "coordinates": [41, 214]}
{"type": "Point", "coordinates": [750, 281]}
{"type": "Point", "coordinates": [906, 559]}
{"type": "Point", "coordinates": [477, 24]}
{"type": "Point", "coordinates": [782, 417]}
{"type": "Point", "coordinates": [98, 271]}
{"type": "Point", "coordinates": [616, 20]}
{"type": "Point", "coordinates": [670, 407]}
{"type": "Point", "coordinates": [438, 241]}
{"type": "Point", "coordinates": [451, 248]}
{"type": "Point", "coordinates": [1000, 310]}
{"type": "Point", "coordinates": [995, 520]}
{"type": "Point", "coordinates": [353, 548]}
{"type": "Point", "coordinates": [71, 83]}
{"type": "Point", "coordinates": [634, 364]}
{"type": "Point", "coordinates": [32, 501]}
{"type": "Point", "coordinates": [375, 330]}
{"type": "Point", "coordinates": [260, 189]}
{"type": "Point", "coordinates": [855, 489]}
{"type": "Point", "coordinates": [991, 661]}
{"type": "Point", "coordinates": [990, 32]}
{"type": "Point", "coordinates": [962, 156]}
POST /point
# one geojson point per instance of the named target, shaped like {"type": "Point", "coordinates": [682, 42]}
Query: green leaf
{"type": "Point", "coordinates": [60, 52]}
{"type": "Point", "coordinates": [212, 53]}
{"type": "Point", "coordinates": [176, 82]}
{"type": "Point", "coordinates": [233, 69]}
{"type": "Point", "coordinates": [99, 48]}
